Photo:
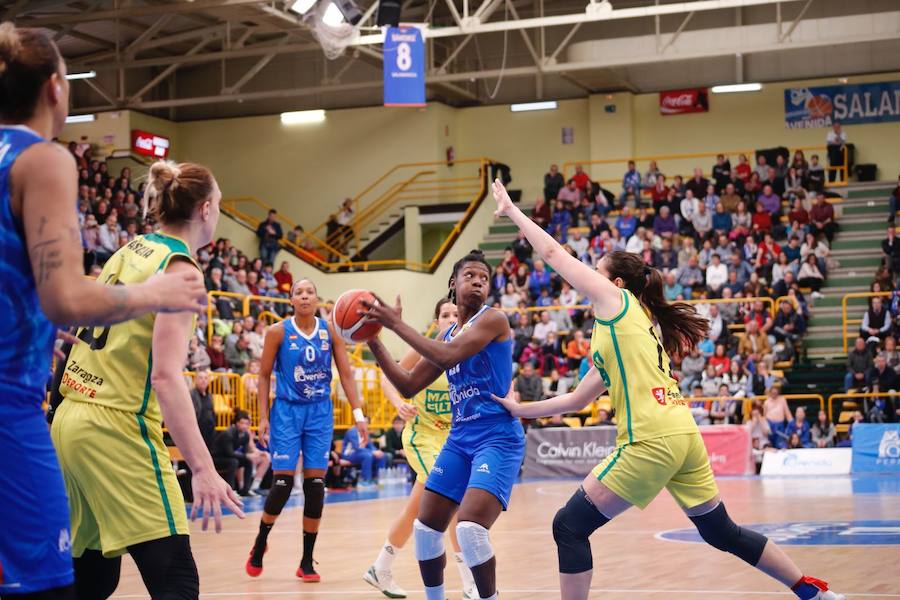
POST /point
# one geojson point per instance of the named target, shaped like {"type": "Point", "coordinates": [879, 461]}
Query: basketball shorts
{"type": "Point", "coordinates": [638, 472]}
{"type": "Point", "coordinates": [296, 428]}
{"type": "Point", "coordinates": [34, 515]}
{"type": "Point", "coordinates": [422, 446]}
{"type": "Point", "coordinates": [122, 489]}
{"type": "Point", "coordinates": [486, 457]}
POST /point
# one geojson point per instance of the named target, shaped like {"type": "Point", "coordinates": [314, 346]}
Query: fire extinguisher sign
{"type": "Point", "coordinates": [404, 67]}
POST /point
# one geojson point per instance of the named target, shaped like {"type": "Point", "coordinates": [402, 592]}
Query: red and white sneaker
{"type": "Point", "coordinates": [254, 568]}
{"type": "Point", "coordinates": [308, 574]}
{"type": "Point", "coordinates": [824, 592]}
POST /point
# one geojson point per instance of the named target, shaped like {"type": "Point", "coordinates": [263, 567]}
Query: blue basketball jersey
{"type": "Point", "coordinates": [303, 364]}
{"type": "Point", "coordinates": [474, 380]}
{"type": "Point", "coordinates": [26, 334]}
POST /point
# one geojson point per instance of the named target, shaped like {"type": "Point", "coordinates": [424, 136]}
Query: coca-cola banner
{"type": "Point", "coordinates": [565, 452]}
{"type": "Point", "coordinates": [677, 102]}
{"type": "Point", "coordinates": [728, 447]}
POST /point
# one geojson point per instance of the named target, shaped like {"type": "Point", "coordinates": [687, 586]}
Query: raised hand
{"type": "Point", "coordinates": [380, 312]}
{"type": "Point", "coordinates": [501, 197]}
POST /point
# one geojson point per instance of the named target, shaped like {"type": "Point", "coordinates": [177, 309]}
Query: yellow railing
{"type": "Point", "coordinates": [211, 298]}
{"type": "Point", "coordinates": [329, 254]}
{"type": "Point", "coordinates": [227, 392]}
{"type": "Point", "coordinates": [846, 321]}
{"type": "Point", "coordinates": [747, 401]}
{"type": "Point", "coordinates": [687, 169]}
{"type": "Point", "coordinates": [843, 426]}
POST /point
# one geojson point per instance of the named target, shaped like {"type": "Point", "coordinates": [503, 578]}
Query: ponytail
{"type": "Point", "coordinates": [28, 58]}
{"type": "Point", "coordinates": [174, 190]}
{"type": "Point", "coordinates": [682, 328]}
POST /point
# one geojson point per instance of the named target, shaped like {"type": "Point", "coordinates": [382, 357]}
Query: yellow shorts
{"type": "Point", "coordinates": [638, 472]}
{"type": "Point", "coordinates": [422, 446]}
{"type": "Point", "coordinates": [119, 478]}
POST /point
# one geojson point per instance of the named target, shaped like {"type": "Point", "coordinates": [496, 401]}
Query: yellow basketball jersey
{"type": "Point", "coordinates": [636, 370]}
{"type": "Point", "coordinates": [111, 366]}
{"type": "Point", "coordinates": [434, 410]}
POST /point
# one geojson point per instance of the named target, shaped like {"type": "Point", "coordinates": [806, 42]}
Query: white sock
{"type": "Point", "coordinates": [435, 593]}
{"type": "Point", "coordinates": [386, 557]}
{"type": "Point", "coordinates": [494, 597]}
{"type": "Point", "coordinates": [465, 573]}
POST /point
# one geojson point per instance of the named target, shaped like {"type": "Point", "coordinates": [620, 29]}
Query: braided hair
{"type": "Point", "coordinates": [473, 256]}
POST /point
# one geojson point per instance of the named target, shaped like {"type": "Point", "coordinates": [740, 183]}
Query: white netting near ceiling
{"type": "Point", "coordinates": [333, 38]}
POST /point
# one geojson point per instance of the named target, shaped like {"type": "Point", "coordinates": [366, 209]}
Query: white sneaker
{"type": "Point", "coordinates": [818, 295]}
{"type": "Point", "coordinates": [829, 595]}
{"type": "Point", "coordinates": [471, 593]}
{"type": "Point", "coordinates": [384, 582]}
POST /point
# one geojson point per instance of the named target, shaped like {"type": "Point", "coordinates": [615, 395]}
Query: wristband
{"type": "Point", "coordinates": [358, 415]}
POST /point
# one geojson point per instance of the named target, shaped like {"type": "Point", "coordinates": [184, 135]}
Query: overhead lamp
{"type": "Point", "coordinates": [80, 119]}
{"type": "Point", "coordinates": [301, 7]}
{"type": "Point", "coordinates": [332, 16]}
{"type": "Point", "coordinates": [348, 9]}
{"type": "Point", "coordinates": [528, 106]}
{"type": "Point", "coordinates": [85, 75]}
{"type": "Point", "coordinates": [737, 87]}
{"type": "Point", "coordinates": [298, 117]}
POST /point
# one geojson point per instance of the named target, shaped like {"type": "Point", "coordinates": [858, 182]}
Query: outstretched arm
{"type": "Point", "coordinates": [601, 292]}
{"type": "Point", "coordinates": [586, 392]}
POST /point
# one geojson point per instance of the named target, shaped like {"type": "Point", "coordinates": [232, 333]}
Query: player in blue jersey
{"type": "Point", "coordinates": [299, 350]}
{"type": "Point", "coordinates": [476, 469]}
{"type": "Point", "coordinates": [42, 287]}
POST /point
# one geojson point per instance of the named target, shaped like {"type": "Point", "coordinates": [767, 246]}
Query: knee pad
{"type": "Point", "coordinates": [313, 497]}
{"type": "Point", "coordinates": [719, 531]}
{"type": "Point", "coordinates": [572, 526]}
{"type": "Point", "coordinates": [279, 494]}
{"type": "Point", "coordinates": [474, 542]}
{"type": "Point", "coordinates": [429, 542]}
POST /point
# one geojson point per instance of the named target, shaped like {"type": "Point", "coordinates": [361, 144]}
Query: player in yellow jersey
{"type": "Point", "coordinates": [428, 419]}
{"type": "Point", "coordinates": [118, 385]}
{"type": "Point", "coordinates": [658, 443]}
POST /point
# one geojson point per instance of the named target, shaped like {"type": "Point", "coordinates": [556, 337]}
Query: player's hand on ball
{"type": "Point", "coordinates": [501, 197]}
{"type": "Point", "coordinates": [181, 291]}
{"type": "Point", "coordinates": [509, 400]}
{"type": "Point", "coordinates": [407, 411]}
{"type": "Point", "coordinates": [380, 312]}
{"type": "Point", "coordinates": [211, 492]}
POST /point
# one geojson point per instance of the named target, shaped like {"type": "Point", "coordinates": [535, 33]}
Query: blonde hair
{"type": "Point", "coordinates": [174, 190]}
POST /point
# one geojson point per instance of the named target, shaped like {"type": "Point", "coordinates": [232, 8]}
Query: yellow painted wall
{"type": "Point", "coordinates": [109, 131]}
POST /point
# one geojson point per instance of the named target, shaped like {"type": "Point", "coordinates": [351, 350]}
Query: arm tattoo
{"type": "Point", "coordinates": [47, 259]}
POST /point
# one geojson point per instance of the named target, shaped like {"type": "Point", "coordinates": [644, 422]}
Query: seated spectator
{"type": "Point", "coordinates": [721, 171]}
{"type": "Point", "coordinates": [664, 223]}
{"type": "Point", "coordinates": [710, 381]}
{"type": "Point", "coordinates": [631, 183]}
{"type": "Point", "coordinates": [699, 407]}
{"type": "Point", "coordinates": [688, 251]}
{"type": "Point", "coordinates": [561, 317]}
{"type": "Point", "coordinates": [794, 441]}
{"type": "Point", "coordinates": [876, 324]}
{"type": "Point", "coordinates": [544, 327]}
{"type": "Point", "coordinates": [569, 195]}
{"type": "Point", "coordinates": [789, 324]}
{"type": "Point", "coordinates": [579, 244]}
{"type": "Point", "coordinates": [721, 220]}
{"type": "Point", "coordinates": [202, 400]}
{"type": "Point", "coordinates": [859, 364]}
{"type": "Point", "coordinates": [815, 176]}
{"type": "Point", "coordinates": [393, 441]}
{"type": "Point", "coordinates": [652, 175]}
{"type": "Point", "coordinates": [603, 417]}
{"type": "Point", "coordinates": [529, 386]}
{"type": "Point", "coordinates": [672, 290]}
{"type": "Point", "coordinates": [368, 458]}
{"type": "Point", "coordinates": [560, 222]}
{"type": "Point", "coordinates": [552, 352]}
{"type": "Point", "coordinates": [597, 226]}
{"type": "Point", "coordinates": [216, 352]}
{"type": "Point", "coordinates": [659, 192]}
{"type": "Point", "coordinates": [730, 199]}
{"type": "Point", "coordinates": [760, 434]}
{"type": "Point", "coordinates": [576, 349]}
{"type": "Point", "coordinates": [793, 184]}
{"type": "Point", "coordinates": [716, 276]}
{"type": "Point", "coordinates": [777, 413]}
{"type": "Point", "coordinates": [718, 330]}
{"type": "Point", "coordinates": [553, 183]}
{"type": "Point", "coordinates": [582, 181]}
{"type": "Point", "coordinates": [230, 450]}
{"type": "Point", "coordinates": [743, 168]}
{"type": "Point", "coordinates": [295, 236]}
{"type": "Point", "coordinates": [554, 421]}
{"type": "Point", "coordinates": [702, 221]}
{"type": "Point", "coordinates": [692, 367]}
{"type": "Point", "coordinates": [881, 377]}
{"type": "Point", "coordinates": [799, 427]}
{"type": "Point", "coordinates": [555, 385]}
{"type": "Point", "coordinates": [736, 379]}
{"type": "Point", "coordinates": [538, 278]}
{"type": "Point", "coordinates": [822, 219]}
{"type": "Point", "coordinates": [724, 409]}
{"type": "Point", "coordinates": [761, 220]}
{"type": "Point", "coordinates": [890, 249]}
{"type": "Point", "coordinates": [697, 184]}
{"type": "Point", "coordinates": [510, 297]}
{"type": "Point", "coordinates": [891, 354]}
{"type": "Point", "coordinates": [711, 199]}
{"type": "Point", "coordinates": [532, 354]}
{"type": "Point", "coordinates": [540, 214]}
{"type": "Point", "coordinates": [755, 343]}
{"type": "Point", "coordinates": [719, 361]}
{"type": "Point", "coordinates": [810, 276]}
{"type": "Point", "coordinates": [626, 223]}
{"type": "Point", "coordinates": [823, 431]}
{"type": "Point", "coordinates": [522, 249]}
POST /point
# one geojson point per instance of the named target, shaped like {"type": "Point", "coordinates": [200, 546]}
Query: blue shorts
{"type": "Point", "coordinates": [296, 428]}
{"type": "Point", "coordinates": [485, 456]}
{"type": "Point", "coordinates": [35, 543]}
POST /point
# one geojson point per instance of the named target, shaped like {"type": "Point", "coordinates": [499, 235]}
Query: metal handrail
{"type": "Point", "coordinates": [845, 321]}
{"type": "Point", "coordinates": [210, 301]}
{"type": "Point", "coordinates": [850, 395]}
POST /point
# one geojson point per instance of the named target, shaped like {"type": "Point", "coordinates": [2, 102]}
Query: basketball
{"type": "Point", "coordinates": [348, 323]}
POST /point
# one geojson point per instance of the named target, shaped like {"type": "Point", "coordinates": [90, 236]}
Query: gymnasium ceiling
{"type": "Point", "coordinates": [201, 59]}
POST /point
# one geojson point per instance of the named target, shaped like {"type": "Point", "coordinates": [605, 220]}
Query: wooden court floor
{"type": "Point", "coordinates": [630, 562]}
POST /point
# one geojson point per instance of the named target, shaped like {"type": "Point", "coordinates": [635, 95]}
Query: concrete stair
{"type": "Point", "coordinates": [857, 247]}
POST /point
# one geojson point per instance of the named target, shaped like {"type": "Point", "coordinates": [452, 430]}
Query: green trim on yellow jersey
{"type": "Point", "coordinates": [615, 341]}
{"type": "Point", "coordinates": [413, 444]}
{"type": "Point", "coordinates": [621, 313]}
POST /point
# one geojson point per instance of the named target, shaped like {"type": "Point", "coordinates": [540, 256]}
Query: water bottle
{"type": "Point", "coordinates": [382, 476]}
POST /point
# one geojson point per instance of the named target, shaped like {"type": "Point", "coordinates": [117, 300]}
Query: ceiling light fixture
{"type": "Point", "coordinates": [80, 119]}
{"type": "Point", "coordinates": [302, 116]}
{"type": "Point", "coordinates": [85, 75]}
{"type": "Point", "coordinates": [528, 106]}
{"type": "Point", "coordinates": [737, 87]}
{"type": "Point", "coordinates": [301, 7]}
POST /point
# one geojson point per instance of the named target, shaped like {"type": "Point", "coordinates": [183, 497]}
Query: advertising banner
{"type": "Point", "coordinates": [876, 448]}
{"type": "Point", "coordinates": [404, 67]}
{"type": "Point", "coordinates": [566, 452]}
{"type": "Point", "coordinates": [678, 102]}
{"type": "Point", "coordinates": [149, 144]}
{"type": "Point", "coordinates": [728, 447]}
{"type": "Point", "coordinates": [807, 461]}
{"type": "Point", "coordinates": [848, 104]}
